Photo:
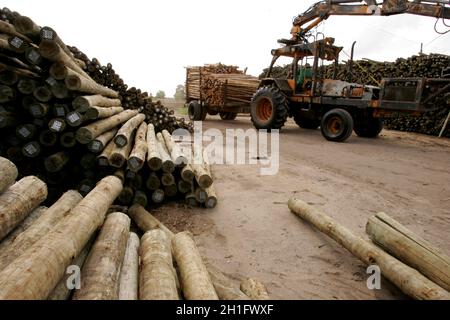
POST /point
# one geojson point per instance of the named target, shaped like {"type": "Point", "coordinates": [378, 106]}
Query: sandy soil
{"type": "Point", "coordinates": [252, 233]}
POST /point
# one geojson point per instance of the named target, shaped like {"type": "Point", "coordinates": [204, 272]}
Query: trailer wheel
{"type": "Point", "coordinates": [369, 129]}
{"type": "Point", "coordinates": [228, 115]}
{"type": "Point", "coordinates": [269, 108]}
{"type": "Point", "coordinates": [337, 125]}
{"type": "Point", "coordinates": [195, 111]}
{"type": "Point", "coordinates": [306, 123]}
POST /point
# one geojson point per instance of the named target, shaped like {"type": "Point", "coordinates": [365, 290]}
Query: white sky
{"type": "Point", "coordinates": [150, 42]}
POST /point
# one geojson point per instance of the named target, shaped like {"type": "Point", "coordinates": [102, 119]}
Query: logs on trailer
{"type": "Point", "coordinates": [409, 248]}
{"type": "Point", "coordinates": [46, 222]}
{"type": "Point", "coordinates": [407, 279]}
{"type": "Point", "coordinates": [101, 271]}
{"type": "Point", "coordinates": [129, 274]}
{"type": "Point", "coordinates": [157, 280]}
{"type": "Point", "coordinates": [195, 279]}
{"type": "Point", "coordinates": [9, 173]}
{"type": "Point", "coordinates": [18, 201]}
{"type": "Point", "coordinates": [35, 275]}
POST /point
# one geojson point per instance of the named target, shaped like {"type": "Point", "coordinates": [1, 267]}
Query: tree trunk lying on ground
{"type": "Point", "coordinates": [409, 248]}
{"type": "Point", "coordinates": [129, 275]}
{"type": "Point", "coordinates": [157, 279]}
{"type": "Point", "coordinates": [407, 279]}
{"type": "Point", "coordinates": [46, 222]}
{"type": "Point", "coordinates": [35, 274]}
{"type": "Point", "coordinates": [195, 279]}
{"type": "Point", "coordinates": [18, 201]}
{"type": "Point", "coordinates": [101, 271]}
{"type": "Point", "coordinates": [8, 172]}
{"type": "Point", "coordinates": [225, 288]}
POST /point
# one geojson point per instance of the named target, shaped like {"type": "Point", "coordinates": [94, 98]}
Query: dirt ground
{"type": "Point", "coordinates": [252, 233]}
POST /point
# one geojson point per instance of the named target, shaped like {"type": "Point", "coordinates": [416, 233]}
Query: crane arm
{"type": "Point", "coordinates": [323, 9]}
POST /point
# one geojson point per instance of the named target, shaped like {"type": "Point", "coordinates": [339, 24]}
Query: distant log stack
{"type": "Point", "coordinates": [59, 109]}
{"type": "Point", "coordinates": [218, 84]}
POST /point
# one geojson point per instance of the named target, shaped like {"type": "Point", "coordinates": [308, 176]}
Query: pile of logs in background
{"type": "Point", "coordinates": [62, 113]}
{"type": "Point", "coordinates": [218, 84]}
{"type": "Point", "coordinates": [371, 72]}
{"type": "Point", "coordinates": [42, 248]}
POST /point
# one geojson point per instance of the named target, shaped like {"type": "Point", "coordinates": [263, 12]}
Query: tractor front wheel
{"type": "Point", "coordinates": [337, 125]}
{"type": "Point", "coordinates": [269, 108]}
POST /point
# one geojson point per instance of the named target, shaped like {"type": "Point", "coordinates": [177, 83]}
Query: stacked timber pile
{"type": "Point", "coordinates": [41, 249]}
{"type": "Point", "coordinates": [218, 84]}
{"type": "Point", "coordinates": [415, 266]}
{"type": "Point", "coordinates": [371, 72]}
{"type": "Point", "coordinates": [59, 109]}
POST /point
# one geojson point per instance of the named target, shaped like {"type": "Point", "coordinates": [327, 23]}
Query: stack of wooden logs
{"type": "Point", "coordinates": [56, 253]}
{"type": "Point", "coordinates": [220, 84]}
{"type": "Point", "coordinates": [414, 265]}
{"type": "Point", "coordinates": [371, 72]}
{"type": "Point", "coordinates": [58, 108]}
{"type": "Point", "coordinates": [153, 166]}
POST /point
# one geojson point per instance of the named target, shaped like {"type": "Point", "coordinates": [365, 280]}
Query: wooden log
{"type": "Point", "coordinates": [158, 196]}
{"type": "Point", "coordinates": [8, 28]}
{"type": "Point", "coordinates": [153, 157]}
{"type": "Point", "coordinates": [119, 155]}
{"type": "Point", "coordinates": [34, 275]}
{"type": "Point", "coordinates": [103, 158]}
{"type": "Point", "coordinates": [82, 103]}
{"type": "Point", "coordinates": [254, 289]}
{"type": "Point", "coordinates": [202, 177]}
{"type": "Point", "coordinates": [68, 140]}
{"type": "Point", "coordinates": [62, 291]}
{"type": "Point", "coordinates": [56, 161]}
{"type": "Point", "coordinates": [167, 179]}
{"type": "Point", "coordinates": [137, 157]}
{"type": "Point", "coordinates": [88, 133]}
{"type": "Point", "coordinates": [8, 174]}
{"type": "Point", "coordinates": [200, 195]}
{"type": "Point", "coordinates": [23, 226]}
{"type": "Point", "coordinates": [157, 280]}
{"type": "Point", "coordinates": [153, 182]}
{"type": "Point", "coordinates": [7, 94]}
{"type": "Point", "coordinates": [99, 143]}
{"type": "Point", "coordinates": [79, 83]}
{"type": "Point", "coordinates": [224, 286]}
{"type": "Point", "coordinates": [174, 150]}
{"type": "Point", "coordinates": [32, 149]}
{"type": "Point", "coordinates": [195, 279]}
{"type": "Point", "coordinates": [145, 220]}
{"type": "Point", "coordinates": [124, 134]}
{"type": "Point", "coordinates": [47, 138]}
{"type": "Point", "coordinates": [187, 174]}
{"type": "Point", "coordinates": [57, 125]}
{"type": "Point", "coordinates": [46, 222]}
{"type": "Point", "coordinates": [211, 198]}
{"type": "Point", "coordinates": [184, 187]}
{"type": "Point", "coordinates": [7, 119]}
{"type": "Point", "coordinates": [416, 252]}
{"type": "Point", "coordinates": [167, 163]}
{"type": "Point", "coordinates": [407, 279]}
{"type": "Point", "coordinates": [47, 33]}
{"type": "Point", "coordinates": [94, 113]}
{"type": "Point", "coordinates": [101, 272]}
{"type": "Point", "coordinates": [191, 200]}
{"type": "Point", "coordinates": [171, 190]}
{"type": "Point", "coordinates": [18, 201]}
{"type": "Point", "coordinates": [140, 197]}
{"type": "Point", "coordinates": [26, 26]}
{"type": "Point", "coordinates": [26, 86]}
{"type": "Point", "coordinates": [126, 196]}
{"type": "Point", "coordinates": [129, 274]}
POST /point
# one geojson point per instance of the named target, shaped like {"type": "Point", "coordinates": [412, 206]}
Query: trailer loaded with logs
{"type": "Point", "coordinates": [218, 89]}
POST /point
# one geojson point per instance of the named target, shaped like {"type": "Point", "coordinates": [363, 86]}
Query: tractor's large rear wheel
{"type": "Point", "coordinates": [269, 108]}
{"type": "Point", "coordinates": [337, 125]}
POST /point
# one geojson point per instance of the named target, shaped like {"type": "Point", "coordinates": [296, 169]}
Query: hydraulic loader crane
{"type": "Point", "coordinates": [341, 107]}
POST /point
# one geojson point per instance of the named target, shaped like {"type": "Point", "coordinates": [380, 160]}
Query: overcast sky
{"type": "Point", "coordinates": [150, 42]}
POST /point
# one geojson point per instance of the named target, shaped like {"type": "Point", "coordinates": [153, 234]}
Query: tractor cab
{"type": "Point", "coordinates": [304, 78]}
